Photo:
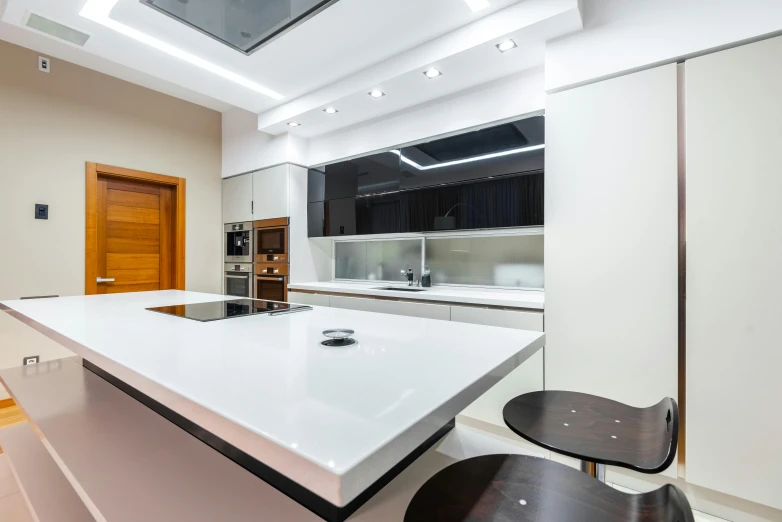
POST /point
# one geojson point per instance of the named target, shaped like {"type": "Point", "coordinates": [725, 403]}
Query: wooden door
{"type": "Point", "coordinates": [135, 231]}
{"type": "Point", "coordinates": [135, 240]}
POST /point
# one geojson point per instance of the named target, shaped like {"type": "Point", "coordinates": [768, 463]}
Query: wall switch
{"type": "Point", "coordinates": [44, 64]}
{"type": "Point", "coordinates": [34, 359]}
{"type": "Point", "coordinates": [41, 211]}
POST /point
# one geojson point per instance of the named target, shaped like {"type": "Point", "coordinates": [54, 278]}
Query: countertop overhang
{"type": "Point", "coordinates": [500, 297]}
{"type": "Point", "coordinates": [332, 420]}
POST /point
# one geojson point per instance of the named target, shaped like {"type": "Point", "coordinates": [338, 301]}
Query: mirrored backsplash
{"type": "Point", "coordinates": [377, 260]}
{"type": "Point", "coordinates": [513, 261]}
{"type": "Point", "coordinates": [505, 261]}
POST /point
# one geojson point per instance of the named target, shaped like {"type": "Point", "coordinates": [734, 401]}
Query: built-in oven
{"type": "Point", "coordinates": [239, 279]}
{"type": "Point", "coordinates": [271, 236]}
{"type": "Point", "coordinates": [239, 243]}
{"type": "Point", "coordinates": [271, 287]}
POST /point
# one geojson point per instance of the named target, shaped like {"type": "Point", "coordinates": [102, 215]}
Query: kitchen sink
{"type": "Point", "coordinates": [402, 289]}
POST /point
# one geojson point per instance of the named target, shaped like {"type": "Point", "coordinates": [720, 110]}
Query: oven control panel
{"type": "Point", "coordinates": [244, 267]}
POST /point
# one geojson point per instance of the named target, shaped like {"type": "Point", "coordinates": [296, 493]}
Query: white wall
{"type": "Point", "coordinates": [622, 35]}
{"type": "Point", "coordinates": [310, 258]}
{"type": "Point", "coordinates": [51, 125]}
{"type": "Point", "coordinates": [246, 149]}
{"type": "Point", "coordinates": [611, 248]}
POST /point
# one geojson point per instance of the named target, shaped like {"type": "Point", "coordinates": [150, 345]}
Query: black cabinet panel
{"type": "Point", "coordinates": [490, 178]}
{"type": "Point", "coordinates": [513, 201]}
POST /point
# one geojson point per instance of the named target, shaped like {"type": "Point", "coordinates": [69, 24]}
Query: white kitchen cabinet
{"type": "Point", "coordinates": [734, 255]}
{"type": "Point", "coordinates": [423, 310]}
{"type": "Point", "coordinates": [271, 192]}
{"type": "Point", "coordinates": [238, 199]}
{"type": "Point", "coordinates": [308, 299]}
{"type": "Point", "coordinates": [611, 250]}
{"type": "Point", "coordinates": [494, 317]}
{"type": "Point", "coordinates": [486, 412]}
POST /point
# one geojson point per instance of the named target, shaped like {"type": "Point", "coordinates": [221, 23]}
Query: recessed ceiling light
{"type": "Point", "coordinates": [294, 124]}
{"type": "Point", "coordinates": [432, 73]}
{"type": "Point", "coordinates": [99, 10]}
{"type": "Point", "coordinates": [506, 46]}
{"type": "Point", "coordinates": [477, 5]}
{"type": "Point", "coordinates": [376, 93]}
{"type": "Point", "coordinates": [330, 110]}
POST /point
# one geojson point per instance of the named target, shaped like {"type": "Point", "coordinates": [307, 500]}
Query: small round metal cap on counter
{"type": "Point", "coordinates": [339, 337]}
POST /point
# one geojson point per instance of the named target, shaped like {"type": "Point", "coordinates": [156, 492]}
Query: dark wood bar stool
{"type": "Point", "coordinates": [597, 431]}
{"type": "Point", "coordinates": [518, 488]}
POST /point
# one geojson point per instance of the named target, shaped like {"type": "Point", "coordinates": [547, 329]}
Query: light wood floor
{"type": "Point", "coordinates": [10, 414]}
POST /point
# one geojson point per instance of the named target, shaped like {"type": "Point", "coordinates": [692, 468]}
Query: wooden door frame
{"type": "Point", "coordinates": [119, 173]}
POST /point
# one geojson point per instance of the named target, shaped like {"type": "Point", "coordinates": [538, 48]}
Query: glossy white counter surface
{"type": "Point", "coordinates": [333, 420]}
{"type": "Point", "coordinates": [531, 299]}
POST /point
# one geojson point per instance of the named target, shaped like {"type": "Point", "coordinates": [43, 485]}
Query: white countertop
{"type": "Point", "coordinates": [333, 420]}
{"type": "Point", "coordinates": [532, 299]}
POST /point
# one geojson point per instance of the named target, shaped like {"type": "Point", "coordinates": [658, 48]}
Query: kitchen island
{"type": "Point", "coordinates": [327, 426]}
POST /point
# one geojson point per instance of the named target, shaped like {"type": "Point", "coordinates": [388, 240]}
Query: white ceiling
{"type": "Point", "coordinates": [329, 59]}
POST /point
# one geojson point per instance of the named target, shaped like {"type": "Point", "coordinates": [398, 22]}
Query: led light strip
{"type": "Point", "coordinates": [466, 160]}
{"type": "Point", "coordinates": [98, 11]}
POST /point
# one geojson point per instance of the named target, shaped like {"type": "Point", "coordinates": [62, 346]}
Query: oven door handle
{"type": "Point", "coordinates": [270, 278]}
{"type": "Point", "coordinates": [238, 277]}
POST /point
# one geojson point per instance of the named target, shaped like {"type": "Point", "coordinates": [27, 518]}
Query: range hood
{"type": "Point", "coordinates": [244, 25]}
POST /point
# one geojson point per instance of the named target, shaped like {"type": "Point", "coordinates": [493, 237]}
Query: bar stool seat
{"type": "Point", "coordinates": [518, 488]}
{"type": "Point", "coordinates": [597, 430]}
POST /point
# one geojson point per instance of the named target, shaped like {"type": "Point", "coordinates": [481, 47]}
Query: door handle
{"type": "Point", "coordinates": [105, 279]}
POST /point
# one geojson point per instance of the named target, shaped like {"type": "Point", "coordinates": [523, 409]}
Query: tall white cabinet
{"type": "Point", "coordinates": [611, 238]}
{"type": "Point", "coordinates": [734, 271]}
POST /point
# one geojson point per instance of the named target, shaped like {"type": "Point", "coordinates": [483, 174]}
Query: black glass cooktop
{"type": "Point", "coordinates": [216, 310]}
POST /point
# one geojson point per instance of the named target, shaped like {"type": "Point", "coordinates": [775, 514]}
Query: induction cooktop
{"type": "Point", "coordinates": [217, 310]}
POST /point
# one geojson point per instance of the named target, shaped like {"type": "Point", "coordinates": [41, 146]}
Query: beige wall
{"type": "Point", "coordinates": [50, 125]}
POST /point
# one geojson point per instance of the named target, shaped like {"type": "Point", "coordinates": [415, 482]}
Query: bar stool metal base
{"type": "Point", "coordinates": [595, 470]}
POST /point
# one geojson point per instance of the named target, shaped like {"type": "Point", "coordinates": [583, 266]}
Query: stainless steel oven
{"type": "Point", "coordinates": [239, 279]}
{"type": "Point", "coordinates": [239, 243]}
{"type": "Point", "coordinates": [271, 236]}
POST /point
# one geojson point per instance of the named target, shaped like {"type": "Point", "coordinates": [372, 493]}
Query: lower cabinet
{"type": "Point", "coordinates": [423, 310]}
{"type": "Point", "coordinates": [503, 318]}
{"type": "Point", "coordinates": [308, 299]}
{"type": "Point", "coordinates": [486, 412]}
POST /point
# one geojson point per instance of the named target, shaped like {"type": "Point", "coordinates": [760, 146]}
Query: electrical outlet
{"type": "Point", "coordinates": [44, 64]}
{"type": "Point", "coordinates": [33, 359]}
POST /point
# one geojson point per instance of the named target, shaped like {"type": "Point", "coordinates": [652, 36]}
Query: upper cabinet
{"type": "Point", "coordinates": [490, 178]}
{"type": "Point", "coordinates": [238, 199]}
{"type": "Point", "coordinates": [271, 192]}
{"type": "Point", "coordinates": [264, 194]}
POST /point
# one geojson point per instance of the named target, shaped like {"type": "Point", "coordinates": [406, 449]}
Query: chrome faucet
{"type": "Point", "coordinates": [409, 274]}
